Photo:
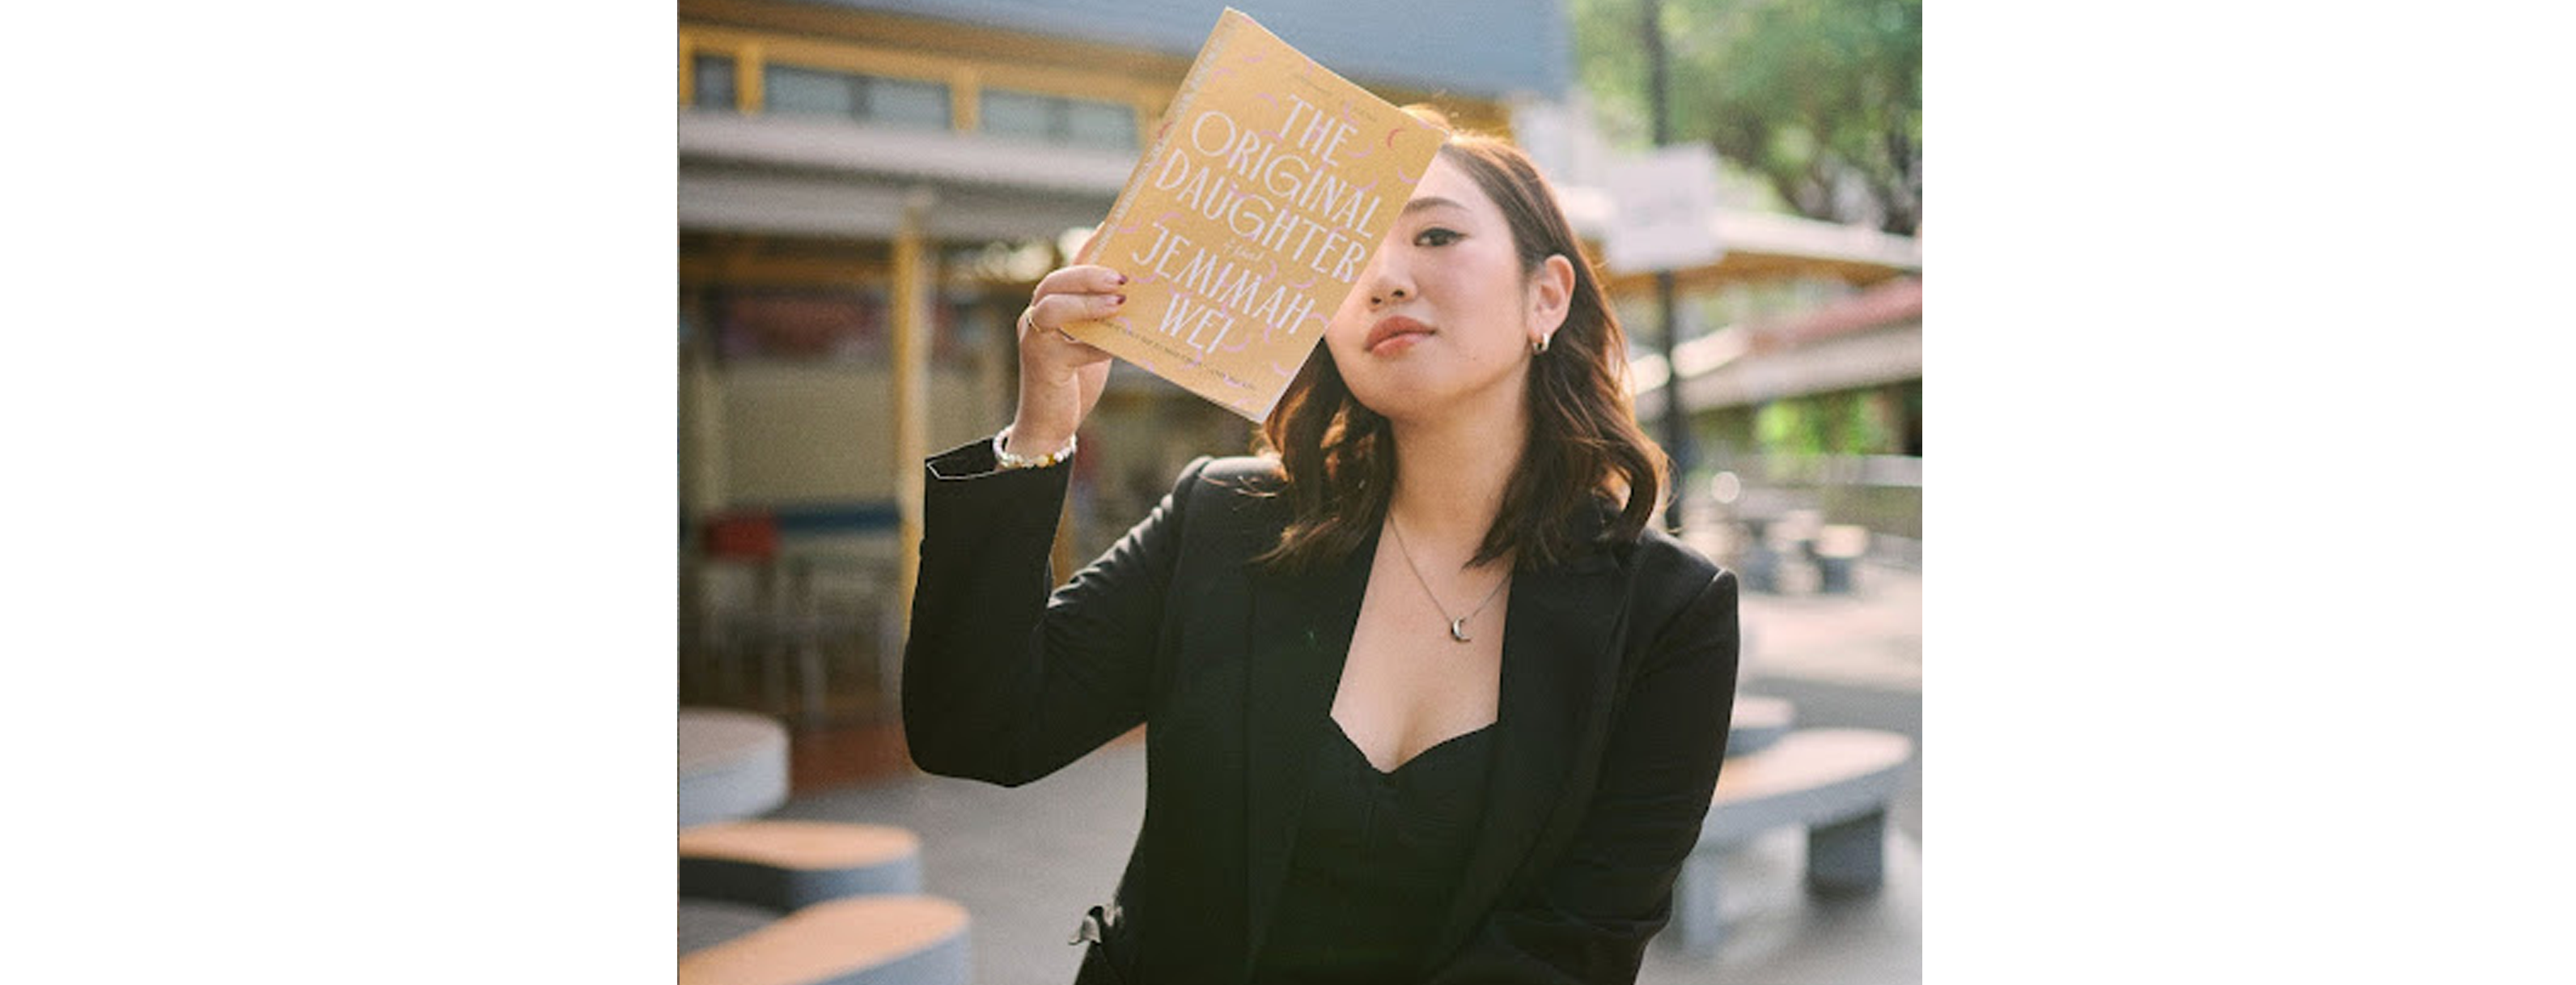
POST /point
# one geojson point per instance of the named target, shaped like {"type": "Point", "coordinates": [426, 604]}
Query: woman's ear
{"type": "Point", "coordinates": [1551, 295]}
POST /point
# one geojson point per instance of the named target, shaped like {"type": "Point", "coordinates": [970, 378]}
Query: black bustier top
{"type": "Point", "coordinates": [1377, 860]}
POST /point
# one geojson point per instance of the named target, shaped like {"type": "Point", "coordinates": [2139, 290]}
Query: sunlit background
{"type": "Point", "coordinates": [869, 189]}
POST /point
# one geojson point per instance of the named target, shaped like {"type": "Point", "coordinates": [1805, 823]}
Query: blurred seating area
{"type": "Point", "coordinates": [1834, 784]}
{"type": "Point", "coordinates": [1808, 526]}
{"type": "Point", "coordinates": [808, 632]}
{"type": "Point", "coordinates": [789, 902]}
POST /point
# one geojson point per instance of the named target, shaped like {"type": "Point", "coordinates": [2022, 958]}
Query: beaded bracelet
{"type": "Point", "coordinates": [1007, 460]}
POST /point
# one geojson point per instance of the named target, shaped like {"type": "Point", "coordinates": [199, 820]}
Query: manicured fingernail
{"type": "Point", "coordinates": [1117, 299]}
{"type": "Point", "coordinates": [1122, 278]}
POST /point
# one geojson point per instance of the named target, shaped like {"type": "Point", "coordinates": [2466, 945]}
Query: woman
{"type": "Point", "coordinates": [1427, 700]}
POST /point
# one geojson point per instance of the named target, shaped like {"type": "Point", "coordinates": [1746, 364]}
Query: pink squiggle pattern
{"type": "Point", "coordinates": [1274, 132]}
{"type": "Point", "coordinates": [1302, 285]}
{"type": "Point", "coordinates": [1406, 178]}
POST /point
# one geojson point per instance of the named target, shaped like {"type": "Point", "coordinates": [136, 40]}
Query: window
{"type": "Point", "coordinates": [786, 89]}
{"type": "Point", "coordinates": [905, 103]}
{"type": "Point", "coordinates": [1018, 114]}
{"type": "Point", "coordinates": [790, 89]}
{"type": "Point", "coordinates": [1091, 124]}
{"type": "Point", "coordinates": [711, 83]}
{"type": "Point", "coordinates": [1059, 120]}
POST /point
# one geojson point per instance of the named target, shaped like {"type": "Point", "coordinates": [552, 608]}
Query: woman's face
{"type": "Point", "coordinates": [1442, 317]}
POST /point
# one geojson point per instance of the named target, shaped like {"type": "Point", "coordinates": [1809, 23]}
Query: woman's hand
{"type": "Point", "coordinates": [1061, 379]}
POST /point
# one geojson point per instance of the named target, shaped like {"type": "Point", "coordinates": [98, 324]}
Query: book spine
{"type": "Point", "coordinates": [1227, 25]}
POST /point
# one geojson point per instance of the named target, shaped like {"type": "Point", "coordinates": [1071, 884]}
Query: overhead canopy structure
{"type": "Point", "coordinates": [838, 178]}
{"type": "Point", "coordinates": [1762, 246]}
{"type": "Point", "coordinates": [1484, 48]}
{"type": "Point", "coordinates": [1872, 338]}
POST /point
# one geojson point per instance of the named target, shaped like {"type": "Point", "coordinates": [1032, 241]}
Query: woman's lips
{"type": "Point", "coordinates": [1394, 334]}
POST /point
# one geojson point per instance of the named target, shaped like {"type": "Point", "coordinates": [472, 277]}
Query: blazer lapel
{"type": "Point", "coordinates": [1301, 634]}
{"type": "Point", "coordinates": [1559, 664]}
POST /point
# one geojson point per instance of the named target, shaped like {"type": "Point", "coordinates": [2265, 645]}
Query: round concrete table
{"type": "Point", "coordinates": [733, 764]}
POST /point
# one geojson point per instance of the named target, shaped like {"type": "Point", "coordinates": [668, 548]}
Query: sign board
{"type": "Point", "coordinates": [1663, 201]}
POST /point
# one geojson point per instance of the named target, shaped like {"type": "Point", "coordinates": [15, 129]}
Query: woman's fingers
{"type": "Point", "coordinates": [1084, 292]}
{"type": "Point", "coordinates": [1079, 293]}
{"type": "Point", "coordinates": [1061, 377]}
{"type": "Point", "coordinates": [1046, 348]}
{"type": "Point", "coordinates": [1081, 279]}
{"type": "Point", "coordinates": [1054, 312]}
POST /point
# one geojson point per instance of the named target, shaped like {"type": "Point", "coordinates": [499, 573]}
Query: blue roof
{"type": "Point", "coordinates": [1482, 48]}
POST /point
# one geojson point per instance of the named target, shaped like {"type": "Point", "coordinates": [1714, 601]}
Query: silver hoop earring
{"type": "Point", "coordinates": [1540, 347]}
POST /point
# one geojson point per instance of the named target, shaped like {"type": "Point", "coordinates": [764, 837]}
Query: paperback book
{"type": "Point", "coordinates": [1267, 184]}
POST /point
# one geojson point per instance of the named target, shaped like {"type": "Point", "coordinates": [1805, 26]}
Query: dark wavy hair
{"type": "Point", "coordinates": [1584, 452]}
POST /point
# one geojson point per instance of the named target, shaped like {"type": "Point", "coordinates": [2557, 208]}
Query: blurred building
{"type": "Point", "coordinates": [1811, 413]}
{"type": "Point", "coordinates": [1832, 369]}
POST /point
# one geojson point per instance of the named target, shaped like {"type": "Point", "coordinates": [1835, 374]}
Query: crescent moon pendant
{"type": "Point", "coordinates": [1458, 629]}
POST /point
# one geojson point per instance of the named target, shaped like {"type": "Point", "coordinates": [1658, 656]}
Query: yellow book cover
{"type": "Point", "coordinates": [1267, 185]}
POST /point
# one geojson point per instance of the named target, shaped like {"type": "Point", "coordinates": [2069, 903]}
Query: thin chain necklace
{"type": "Point", "coordinates": [1457, 625]}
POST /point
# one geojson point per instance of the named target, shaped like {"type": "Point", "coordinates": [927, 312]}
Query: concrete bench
{"type": "Point", "coordinates": [1759, 721]}
{"type": "Point", "coordinates": [864, 940]}
{"type": "Point", "coordinates": [1836, 551]}
{"type": "Point", "coordinates": [1834, 782]}
{"type": "Point", "coordinates": [733, 764]}
{"type": "Point", "coordinates": [789, 865]}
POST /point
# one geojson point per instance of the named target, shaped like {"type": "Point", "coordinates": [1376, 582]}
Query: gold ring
{"type": "Point", "coordinates": [1028, 318]}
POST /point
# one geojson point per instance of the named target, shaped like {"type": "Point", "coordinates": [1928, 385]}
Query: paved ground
{"type": "Point", "coordinates": [1853, 661]}
{"type": "Point", "coordinates": [1026, 861]}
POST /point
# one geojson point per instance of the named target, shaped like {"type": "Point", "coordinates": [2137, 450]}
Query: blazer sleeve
{"type": "Point", "coordinates": [1589, 918]}
{"type": "Point", "coordinates": [1004, 681]}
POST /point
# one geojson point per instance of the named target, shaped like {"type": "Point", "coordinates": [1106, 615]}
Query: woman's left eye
{"type": "Point", "coordinates": [1435, 236]}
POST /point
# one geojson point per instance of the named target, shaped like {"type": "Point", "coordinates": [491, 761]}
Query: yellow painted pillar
{"type": "Point", "coordinates": [912, 288]}
{"type": "Point", "coordinates": [966, 100]}
{"type": "Point", "coordinates": [703, 488]}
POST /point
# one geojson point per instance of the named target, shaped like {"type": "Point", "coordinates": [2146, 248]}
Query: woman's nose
{"type": "Point", "coordinates": [1385, 283]}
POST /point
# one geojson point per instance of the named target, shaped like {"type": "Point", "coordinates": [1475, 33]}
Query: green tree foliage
{"type": "Point", "coordinates": [1846, 423]}
{"type": "Point", "coordinates": [1821, 99]}
{"type": "Point", "coordinates": [1790, 427]}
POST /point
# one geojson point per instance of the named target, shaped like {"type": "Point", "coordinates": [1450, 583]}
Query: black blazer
{"type": "Point", "coordinates": [1618, 676]}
